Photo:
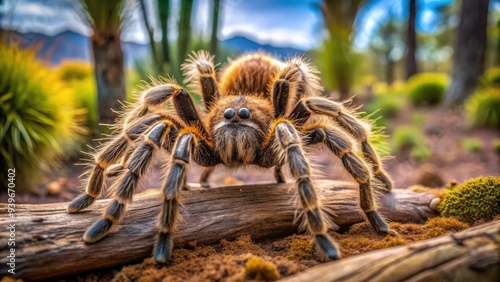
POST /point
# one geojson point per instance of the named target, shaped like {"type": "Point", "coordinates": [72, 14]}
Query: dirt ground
{"type": "Point", "coordinates": [244, 259]}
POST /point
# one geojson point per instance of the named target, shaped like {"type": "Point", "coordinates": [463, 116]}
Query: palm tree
{"type": "Point", "coordinates": [105, 19]}
{"type": "Point", "coordinates": [215, 23]}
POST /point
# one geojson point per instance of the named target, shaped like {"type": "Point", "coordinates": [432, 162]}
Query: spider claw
{"type": "Point", "coordinates": [163, 248]}
{"type": "Point", "coordinates": [97, 231]}
{"type": "Point", "coordinates": [80, 203]}
{"type": "Point", "coordinates": [328, 247]}
{"type": "Point", "coordinates": [379, 224]}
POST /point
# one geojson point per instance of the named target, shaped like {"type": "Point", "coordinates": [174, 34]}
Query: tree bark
{"type": "Point", "coordinates": [184, 29]}
{"type": "Point", "coordinates": [164, 11]}
{"type": "Point", "coordinates": [469, 255]}
{"type": "Point", "coordinates": [109, 73]}
{"type": "Point", "coordinates": [49, 244]}
{"type": "Point", "coordinates": [469, 52]}
{"type": "Point", "coordinates": [411, 40]}
{"type": "Point", "coordinates": [214, 41]}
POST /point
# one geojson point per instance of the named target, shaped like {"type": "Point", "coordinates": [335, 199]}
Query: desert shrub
{"type": "Point", "coordinates": [409, 139]}
{"type": "Point", "coordinates": [483, 108]}
{"type": "Point", "coordinates": [492, 76]}
{"type": "Point", "coordinates": [39, 122]}
{"type": "Point", "coordinates": [73, 70]}
{"type": "Point", "coordinates": [427, 88]}
{"type": "Point", "coordinates": [475, 199]}
{"type": "Point", "coordinates": [472, 145]}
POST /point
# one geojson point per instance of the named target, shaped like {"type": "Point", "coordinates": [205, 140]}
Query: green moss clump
{"type": "Point", "coordinates": [483, 108]}
{"type": "Point", "coordinates": [261, 270]}
{"type": "Point", "coordinates": [300, 249]}
{"type": "Point", "coordinates": [476, 199]}
{"type": "Point", "coordinates": [427, 88]}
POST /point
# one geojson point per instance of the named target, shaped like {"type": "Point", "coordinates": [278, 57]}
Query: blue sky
{"type": "Point", "coordinates": [293, 23]}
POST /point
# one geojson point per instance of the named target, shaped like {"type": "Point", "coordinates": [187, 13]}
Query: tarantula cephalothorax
{"type": "Point", "coordinates": [261, 112]}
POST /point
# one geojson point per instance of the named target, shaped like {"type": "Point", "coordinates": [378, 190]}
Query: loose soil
{"type": "Point", "coordinates": [243, 259]}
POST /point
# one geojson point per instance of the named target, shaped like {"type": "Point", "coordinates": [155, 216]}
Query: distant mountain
{"type": "Point", "coordinates": [242, 44]}
{"type": "Point", "coordinates": [71, 45]}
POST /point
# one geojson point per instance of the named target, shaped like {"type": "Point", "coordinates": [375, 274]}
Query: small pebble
{"type": "Point", "coordinates": [434, 204]}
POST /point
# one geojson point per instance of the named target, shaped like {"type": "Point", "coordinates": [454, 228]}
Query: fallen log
{"type": "Point", "coordinates": [49, 244]}
{"type": "Point", "coordinates": [470, 255]}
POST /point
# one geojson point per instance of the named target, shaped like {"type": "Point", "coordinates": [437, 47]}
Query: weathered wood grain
{"type": "Point", "coordinates": [49, 244]}
{"type": "Point", "coordinates": [469, 255]}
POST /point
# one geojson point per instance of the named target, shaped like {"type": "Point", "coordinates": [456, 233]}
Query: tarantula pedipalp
{"type": "Point", "coordinates": [260, 112]}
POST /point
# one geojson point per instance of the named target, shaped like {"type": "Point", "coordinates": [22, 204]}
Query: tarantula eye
{"type": "Point", "coordinates": [229, 113]}
{"type": "Point", "coordinates": [244, 113]}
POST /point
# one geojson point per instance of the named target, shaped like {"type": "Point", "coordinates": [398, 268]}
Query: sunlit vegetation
{"type": "Point", "coordinates": [483, 108]}
{"type": "Point", "coordinates": [427, 88]}
{"type": "Point", "coordinates": [40, 120]}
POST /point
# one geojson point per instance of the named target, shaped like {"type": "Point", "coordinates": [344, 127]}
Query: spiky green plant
{"type": "Point", "coordinates": [475, 199]}
{"type": "Point", "coordinates": [427, 88]}
{"type": "Point", "coordinates": [483, 108]}
{"type": "Point", "coordinates": [39, 122]}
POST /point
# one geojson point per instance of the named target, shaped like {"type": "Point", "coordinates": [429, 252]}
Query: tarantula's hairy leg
{"type": "Point", "coordinates": [285, 138]}
{"type": "Point", "coordinates": [296, 79]}
{"type": "Point", "coordinates": [278, 174]}
{"type": "Point", "coordinates": [339, 143]}
{"type": "Point", "coordinates": [205, 175]}
{"type": "Point", "coordinates": [281, 91]}
{"type": "Point", "coordinates": [316, 105]}
{"type": "Point", "coordinates": [199, 73]}
{"type": "Point", "coordinates": [120, 147]}
{"type": "Point", "coordinates": [175, 180]}
{"type": "Point", "coordinates": [159, 136]}
{"type": "Point", "coordinates": [190, 144]}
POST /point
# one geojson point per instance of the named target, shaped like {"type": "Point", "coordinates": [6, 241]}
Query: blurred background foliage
{"type": "Point", "coordinates": [41, 123]}
{"type": "Point", "coordinates": [377, 52]}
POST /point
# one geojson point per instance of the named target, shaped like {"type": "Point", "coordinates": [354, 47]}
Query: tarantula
{"type": "Point", "coordinates": [261, 111]}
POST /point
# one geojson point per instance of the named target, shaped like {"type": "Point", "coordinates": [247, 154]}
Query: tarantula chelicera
{"type": "Point", "coordinates": [261, 111]}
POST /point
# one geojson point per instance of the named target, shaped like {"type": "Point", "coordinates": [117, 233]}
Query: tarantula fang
{"type": "Point", "coordinates": [261, 111]}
